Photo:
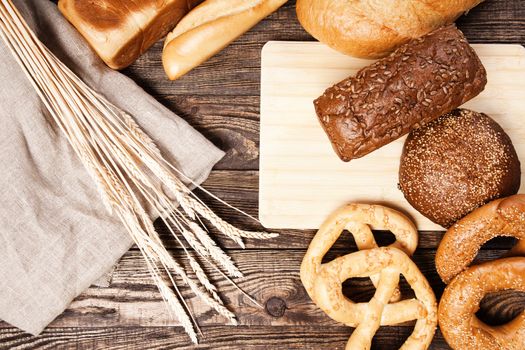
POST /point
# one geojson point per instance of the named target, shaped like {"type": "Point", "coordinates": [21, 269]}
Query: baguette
{"type": "Point", "coordinates": [416, 84]}
{"type": "Point", "coordinates": [209, 28]}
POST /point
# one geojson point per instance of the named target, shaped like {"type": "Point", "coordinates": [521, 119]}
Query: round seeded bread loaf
{"type": "Point", "coordinates": [457, 163]}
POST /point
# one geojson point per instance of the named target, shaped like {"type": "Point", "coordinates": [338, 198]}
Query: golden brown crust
{"type": "Point", "coordinates": [121, 30]}
{"type": "Point", "coordinates": [372, 29]}
{"type": "Point", "coordinates": [456, 164]}
{"type": "Point", "coordinates": [460, 302]}
{"type": "Point", "coordinates": [323, 280]}
{"type": "Point", "coordinates": [208, 29]}
{"type": "Point", "coordinates": [104, 14]}
{"type": "Point", "coordinates": [461, 243]}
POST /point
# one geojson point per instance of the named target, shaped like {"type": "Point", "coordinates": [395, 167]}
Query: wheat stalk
{"type": "Point", "coordinates": [130, 172]}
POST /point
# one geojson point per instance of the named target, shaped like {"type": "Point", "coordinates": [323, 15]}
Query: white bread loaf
{"type": "Point", "coordinates": [209, 28]}
{"type": "Point", "coordinates": [374, 28]}
{"type": "Point", "coordinates": [121, 30]}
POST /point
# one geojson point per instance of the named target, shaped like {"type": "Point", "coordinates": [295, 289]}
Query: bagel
{"type": "Point", "coordinates": [461, 243]}
{"type": "Point", "coordinates": [460, 302]}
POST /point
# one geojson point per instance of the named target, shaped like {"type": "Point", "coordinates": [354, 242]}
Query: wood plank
{"type": "Point", "coordinates": [239, 76]}
{"type": "Point", "coordinates": [230, 122]}
{"type": "Point", "coordinates": [132, 304]}
{"type": "Point", "coordinates": [271, 277]}
{"type": "Point", "coordinates": [218, 338]}
{"type": "Point", "coordinates": [223, 103]}
{"type": "Point", "coordinates": [203, 96]}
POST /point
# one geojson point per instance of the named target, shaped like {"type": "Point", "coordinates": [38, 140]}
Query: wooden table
{"type": "Point", "coordinates": [221, 99]}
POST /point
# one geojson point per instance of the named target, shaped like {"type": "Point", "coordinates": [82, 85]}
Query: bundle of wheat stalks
{"type": "Point", "coordinates": [131, 175]}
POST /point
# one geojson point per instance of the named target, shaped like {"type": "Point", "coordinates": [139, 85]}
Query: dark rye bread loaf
{"type": "Point", "coordinates": [417, 83]}
{"type": "Point", "coordinates": [456, 164]}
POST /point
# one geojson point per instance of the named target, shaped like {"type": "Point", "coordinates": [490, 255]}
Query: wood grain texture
{"type": "Point", "coordinates": [221, 99]}
{"type": "Point", "coordinates": [271, 277]}
{"type": "Point", "coordinates": [221, 338]}
{"type": "Point", "coordinates": [236, 72]}
{"type": "Point", "coordinates": [230, 122]}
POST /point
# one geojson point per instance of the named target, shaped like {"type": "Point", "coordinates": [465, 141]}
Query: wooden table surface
{"type": "Point", "coordinates": [221, 99]}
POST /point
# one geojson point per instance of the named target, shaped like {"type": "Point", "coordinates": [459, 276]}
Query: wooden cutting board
{"type": "Point", "coordinates": [301, 178]}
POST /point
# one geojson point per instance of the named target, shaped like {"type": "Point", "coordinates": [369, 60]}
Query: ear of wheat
{"type": "Point", "coordinates": [130, 174]}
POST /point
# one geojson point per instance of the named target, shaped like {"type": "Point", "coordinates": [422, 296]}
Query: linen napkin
{"type": "Point", "coordinates": [56, 238]}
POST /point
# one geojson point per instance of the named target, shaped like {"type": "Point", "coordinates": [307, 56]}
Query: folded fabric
{"type": "Point", "coordinates": [56, 237]}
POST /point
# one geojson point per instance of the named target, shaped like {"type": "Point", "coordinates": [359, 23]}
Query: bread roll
{"type": "Point", "coordinates": [121, 30]}
{"type": "Point", "coordinates": [456, 164]}
{"type": "Point", "coordinates": [416, 84]}
{"type": "Point", "coordinates": [208, 29]}
{"type": "Point", "coordinates": [371, 28]}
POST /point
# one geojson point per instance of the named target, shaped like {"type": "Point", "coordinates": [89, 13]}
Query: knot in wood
{"type": "Point", "coordinates": [275, 307]}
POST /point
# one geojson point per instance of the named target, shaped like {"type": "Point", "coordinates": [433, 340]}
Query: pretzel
{"type": "Point", "coordinates": [460, 302]}
{"type": "Point", "coordinates": [323, 282]}
{"type": "Point", "coordinates": [461, 243]}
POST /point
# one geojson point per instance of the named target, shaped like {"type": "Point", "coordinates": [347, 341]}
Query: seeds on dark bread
{"type": "Point", "coordinates": [417, 83]}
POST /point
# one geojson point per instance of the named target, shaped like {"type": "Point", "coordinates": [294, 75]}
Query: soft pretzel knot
{"type": "Point", "coordinates": [460, 301]}
{"type": "Point", "coordinates": [323, 282]}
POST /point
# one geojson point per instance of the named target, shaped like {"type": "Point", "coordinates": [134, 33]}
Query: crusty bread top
{"type": "Point", "coordinates": [209, 28]}
{"type": "Point", "coordinates": [415, 84]}
{"type": "Point", "coordinates": [372, 29]}
{"type": "Point", "coordinates": [107, 14]}
{"type": "Point", "coordinates": [120, 30]}
{"type": "Point", "coordinates": [104, 15]}
{"type": "Point", "coordinates": [213, 10]}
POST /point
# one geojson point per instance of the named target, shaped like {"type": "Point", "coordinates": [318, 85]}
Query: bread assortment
{"type": "Point", "coordinates": [468, 285]}
{"type": "Point", "coordinates": [454, 161]}
{"type": "Point", "coordinates": [383, 265]}
{"type": "Point", "coordinates": [119, 30]}
{"type": "Point", "coordinates": [416, 84]}
{"type": "Point", "coordinates": [372, 29]}
{"type": "Point", "coordinates": [208, 29]}
{"type": "Point", "coordinates": [444, 175]}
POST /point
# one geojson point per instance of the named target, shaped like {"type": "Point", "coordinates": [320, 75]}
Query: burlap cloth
{"type": "Point", "coordinates": [56, 238]}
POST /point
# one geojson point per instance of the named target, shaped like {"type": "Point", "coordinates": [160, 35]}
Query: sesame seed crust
{"type": "Point", "coordinates": [417, 83]}
{"type": "Point", "coordinates": [456, 164]}
{"type": "Point", "coordinates": [469, 283]}
{"type": "Point", "coordinates": [460, 302]}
